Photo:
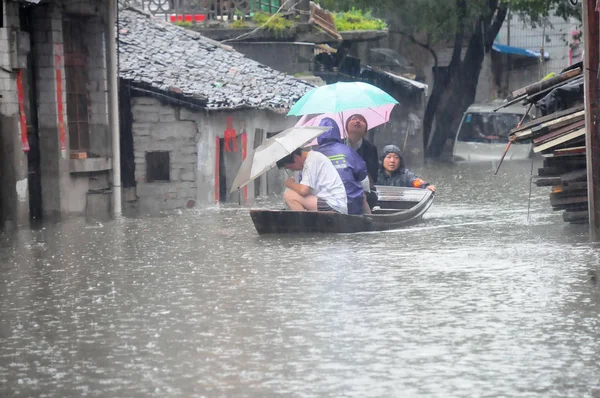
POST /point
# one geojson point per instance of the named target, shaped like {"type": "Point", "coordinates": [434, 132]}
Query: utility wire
{"type": "Point", "coordinates": [263, 25]}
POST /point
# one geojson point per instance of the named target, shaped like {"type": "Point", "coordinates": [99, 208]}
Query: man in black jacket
{"type": "Point", "coordinates": [356, 128]}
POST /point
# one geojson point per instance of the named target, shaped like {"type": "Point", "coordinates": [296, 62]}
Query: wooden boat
{"type": "Point", "coordinates": [398, 207]}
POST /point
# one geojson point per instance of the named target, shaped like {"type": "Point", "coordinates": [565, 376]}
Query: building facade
{"type": "Point", "coordinates": [55, 135]}
{"type": "Point", "coordinates": [191, 110]}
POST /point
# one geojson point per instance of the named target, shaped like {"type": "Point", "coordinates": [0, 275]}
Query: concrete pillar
{"type": "Point", "coordinates": [14, 198]}
{"type": "Point", "coordinates": [53, 130]}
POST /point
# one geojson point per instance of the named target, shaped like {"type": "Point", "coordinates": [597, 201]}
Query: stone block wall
{"type": "Point", "coordinates": [48, 55]}
{"type": "Point", "coordinates": [288, 57]}
{"type": "Point", "coordinates": [63, 190]}
{"type": "Point", "coordinates": [190, 137]}
{"type": "Point", "coordinates": [157, 128]}
{"type": "Point", "coordinates": [14, 198]}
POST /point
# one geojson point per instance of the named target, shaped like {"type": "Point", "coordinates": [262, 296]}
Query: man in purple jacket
{"type": "Point", "coordinates": [350, 166]}
{"type": "Point", "coordinates": [356, 127]}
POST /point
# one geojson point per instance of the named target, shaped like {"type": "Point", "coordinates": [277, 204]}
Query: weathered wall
{"type": "Point", "coordinates": [288, 57]}
{"type": "Point", "coordinates": [191, 138]}
{"type": "Point", "coordinates": [14, 203]}
{"type": "Point", "coordinates": [65, 181]}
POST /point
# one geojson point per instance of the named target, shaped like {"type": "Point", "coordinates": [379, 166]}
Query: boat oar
{"type": "Point", "coordinates": [510, 142]}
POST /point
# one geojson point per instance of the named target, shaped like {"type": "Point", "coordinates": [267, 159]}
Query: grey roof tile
{"type": "Point", "coordinates": [164, 55]}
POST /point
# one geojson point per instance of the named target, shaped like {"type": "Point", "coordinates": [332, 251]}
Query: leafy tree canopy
{"type": "Point", "coordinates": [536, 10]}
{"type": "Point", "coordinates": [438, 19]}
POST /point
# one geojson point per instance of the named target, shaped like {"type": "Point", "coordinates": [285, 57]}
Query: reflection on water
{"type": "Point", "coordinates": [478, 300]}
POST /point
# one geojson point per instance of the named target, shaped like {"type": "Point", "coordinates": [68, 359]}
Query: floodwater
{"type": "Point", "coordinates": [480, 299]}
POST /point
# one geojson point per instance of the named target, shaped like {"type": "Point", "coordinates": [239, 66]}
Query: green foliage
{"type": "Point", "coordinates": [355, 19]}
{"type": "Point", "coordinates": [535, 11]}
{"type": "Point", "coordinates": [275, 24]}
{"type": "Point", "coordinates": [438, 19]}
{"type": "Point", "coordinates": [184, 24]}
{"type": "Point", "coordinates": [239, 24]}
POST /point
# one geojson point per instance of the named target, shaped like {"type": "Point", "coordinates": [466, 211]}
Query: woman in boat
{"type": "Point", "coordinates": [356, 128]}
{"type": "Point", "coordinates": [394, 173]}
{"type": "Point", "coordinates": [349, 165]}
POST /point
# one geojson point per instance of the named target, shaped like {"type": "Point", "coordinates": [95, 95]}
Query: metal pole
{"type": "Point", "coordinates": [113, 102]}
{"type": "Point", "coordinates": [508, 62]}
{"type": "Point", "coordinates": [591, 61]}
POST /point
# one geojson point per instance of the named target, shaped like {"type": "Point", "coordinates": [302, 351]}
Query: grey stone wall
{"type": "Point", "coordinates": [47, 37]}
{"type": "Point", "coordinates": [64, 188]}
{"type": "Point", "coordinates": [288, 57]}
{"type": "Point", "coordinates": [156, 127]}
{"type": "Point", "coordinates": [14, 198]}
{"type": "Point", "coordinates": [191, 138]}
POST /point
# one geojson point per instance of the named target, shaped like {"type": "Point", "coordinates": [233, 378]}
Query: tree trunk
{"type": "Point", "coordinates": [459, 92]}
{"type": "Point", "coordinates": [440, 83]}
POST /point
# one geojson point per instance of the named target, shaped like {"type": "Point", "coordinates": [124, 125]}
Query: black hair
{"type": "Point", "coordinates": [288, 159]}
{"type": "Point", "coordinates": [360, 117]}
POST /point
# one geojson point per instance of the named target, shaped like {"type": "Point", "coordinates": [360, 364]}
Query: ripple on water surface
{"type": "Point", "coordinates": [483, 298]}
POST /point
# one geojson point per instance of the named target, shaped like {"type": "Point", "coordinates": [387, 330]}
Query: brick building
{"type": "Point", "coordinates": [191, 109]}
{"type": "Point", "coordinates": [55, 140]}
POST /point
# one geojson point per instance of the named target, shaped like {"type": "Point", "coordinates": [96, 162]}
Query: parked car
{"type": "Point", "coordinates": [483, 134]}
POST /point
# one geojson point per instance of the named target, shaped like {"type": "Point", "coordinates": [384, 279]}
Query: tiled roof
{"type": "Point", "coordinates": [168, 58]}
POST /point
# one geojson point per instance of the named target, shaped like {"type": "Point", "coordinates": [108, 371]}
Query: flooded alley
{"type": "Point", "coordinates": [477, 300]}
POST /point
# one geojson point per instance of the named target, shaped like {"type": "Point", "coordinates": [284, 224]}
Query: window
{"type": "Point", "coordinates": [76, 76]}
{"type": "Point", "coordinates": [158, 166]}
{"type": "Point", "coordinates": [488, 126]}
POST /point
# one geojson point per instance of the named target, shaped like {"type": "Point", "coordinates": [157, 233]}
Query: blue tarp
{"type": "Point", "coordinates": [501, 48]}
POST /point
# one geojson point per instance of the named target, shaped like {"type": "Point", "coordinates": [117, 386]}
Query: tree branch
{"type": "Point", "coordinates": [494, 28]}
{"type": "Point", "coordinates": [421, 44]}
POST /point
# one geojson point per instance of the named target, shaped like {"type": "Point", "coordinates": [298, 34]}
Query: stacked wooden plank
{"type": "Point", "coordinates": [560, 138]}
{"type": "Point", "coordinates": [536, 91]}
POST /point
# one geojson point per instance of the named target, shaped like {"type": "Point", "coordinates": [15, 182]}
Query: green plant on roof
{"type": "Point", "coordinates": [185, 24]}
{"type": "Point", "coordinates": [239, 14]}
{"type": "Point", "coordinates": [239, 24]}
{"type": "Point", "coordinates": [276, 24]}
{"type": "Point", "coordinates": [357, 20]}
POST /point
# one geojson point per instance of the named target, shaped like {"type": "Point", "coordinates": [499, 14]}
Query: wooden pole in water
{"type": "Point", "coordinates": [591, 63]}
{"type": "Point", "coordinates": [510, 142]}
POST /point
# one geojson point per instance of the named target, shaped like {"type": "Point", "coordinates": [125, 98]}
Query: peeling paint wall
{"type": "Point", "coordinates": [193, 140]}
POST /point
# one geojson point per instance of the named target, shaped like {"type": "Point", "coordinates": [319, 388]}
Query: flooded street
{"type": "Point", "coordinates": [476, 300]}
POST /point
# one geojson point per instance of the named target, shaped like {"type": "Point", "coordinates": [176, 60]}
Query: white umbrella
{"type": "Point", "coordinates": [265, 157]}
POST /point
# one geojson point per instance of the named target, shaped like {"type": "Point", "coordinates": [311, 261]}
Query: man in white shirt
{"type": "Point", "coordinates": [320, 189]}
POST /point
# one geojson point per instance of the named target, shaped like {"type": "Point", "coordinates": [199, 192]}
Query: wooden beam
{"type": "Point", "coordinates": [540, 120]}
{"type": "Point", "coordinates": [591, 32]}
{"type": "Point", "coordinates": [559, 140]}
{"type": "Point", "coordinates": [529, 134]}
{"type": "Point", "coordinates": [549, 134]}
{"type": "Point", "coordinates": [547, 181]}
